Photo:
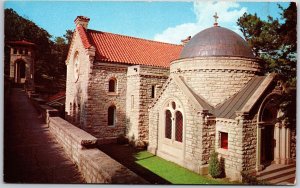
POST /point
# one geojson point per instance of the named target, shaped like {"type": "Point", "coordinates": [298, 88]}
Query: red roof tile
{"type": "Point", "coordinates": [117, 48]}
{"type": "Point", "coordinates": [57, 96]}
{"type": "Point", "coordinates": [83, 36]}
{"type": "Point", "coordinates": [21, 42]}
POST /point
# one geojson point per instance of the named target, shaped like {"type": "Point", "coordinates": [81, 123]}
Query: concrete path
{"type": "Point", "coordinates": [31, 154]}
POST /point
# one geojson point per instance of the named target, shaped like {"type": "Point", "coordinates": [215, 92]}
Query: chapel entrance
{"type": "Point", "coordinates": [20, 72]}
{"type": "Point", "coordinates": [273, 135]}
{"type": "Point", "coordinates": [267, 145]}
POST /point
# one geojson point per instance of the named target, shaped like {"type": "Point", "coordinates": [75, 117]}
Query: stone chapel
{"type": "Point", "coordinates": [182, 101]}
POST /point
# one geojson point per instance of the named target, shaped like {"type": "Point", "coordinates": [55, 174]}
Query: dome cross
{"type": "Point", "coordinates": [216, 19]}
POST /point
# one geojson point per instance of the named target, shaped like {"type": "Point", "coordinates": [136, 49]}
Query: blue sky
{"type": "Point", "coordinates": [161, 21]}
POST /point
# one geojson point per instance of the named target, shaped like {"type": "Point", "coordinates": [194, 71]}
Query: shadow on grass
{"type": "Point", "coordinates": [126, 155]}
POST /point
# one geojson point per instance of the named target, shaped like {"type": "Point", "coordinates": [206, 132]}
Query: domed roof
{"type": "Point", "coordinates": [216, 41]}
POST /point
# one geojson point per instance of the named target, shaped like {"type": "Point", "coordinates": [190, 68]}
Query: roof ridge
{"type": "Point", "coordinates": [127, 36]}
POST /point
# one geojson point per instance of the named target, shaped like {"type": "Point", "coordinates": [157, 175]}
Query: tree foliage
{"type": "Point", "coordinates": [50, 69]}
{"type": "Point", "coordinates": [274, 41]}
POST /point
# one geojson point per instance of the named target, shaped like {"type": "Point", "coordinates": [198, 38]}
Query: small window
{"type": "Point", "coordinates": [224, 140]}
{"type": "Point", "coordinates": [173, 105]}
{"type": "Point", "coordinates": [153, 92]}
{"type": "Point", "coordinates": [111, 115]}
{"type": "Point", "coordinates": [112, 85]}
{"type": "Point", "coordinates": [15, 51]}
{"type": "Point", "coordinates": [26, 51]}
{"type": "Point", "coordinates": [132, 101]}
{"type": "Point", "coordinates": [21, 51]}
{"type": "Point", "coordinates": [168, 125]}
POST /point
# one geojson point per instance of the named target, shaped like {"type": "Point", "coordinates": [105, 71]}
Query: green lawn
{"type": "Point", "coordinates": [173, 172]}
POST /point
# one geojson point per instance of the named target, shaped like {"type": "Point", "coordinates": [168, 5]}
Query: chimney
{"type": "Point", "coordinates": [185, 41]}
{"type": "Point", "coordinates": [82, 20]}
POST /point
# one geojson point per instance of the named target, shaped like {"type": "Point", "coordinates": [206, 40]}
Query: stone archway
{"type": "Point", "coordinates": [20, 72]}
{"type": "Point", "coordinates": [273, 137]}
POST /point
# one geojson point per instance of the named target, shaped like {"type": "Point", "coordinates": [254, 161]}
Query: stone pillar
{"type": "Point", "coordinates": [258, 149]}
{"type": "Point", "coordinates": [288, 145]}
{"type": "Point", "coordinates": [283, 145]}
{"type": "Point", "coordinates": [277, 144]}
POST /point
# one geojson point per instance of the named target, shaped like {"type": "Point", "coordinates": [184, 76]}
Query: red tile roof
{"type": "Point", "coordinates": [57, 96]}
{"type": "Point", "coordinates": [84, 37]}
{"type": "Point", "coordinates": [117, 48]}
{"type": "Point", "coordinates": [21, 42]}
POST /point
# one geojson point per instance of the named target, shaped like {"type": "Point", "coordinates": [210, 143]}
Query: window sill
{"type": "Point", "coordinates": [223, 151]}
{"type": "Point", "coordinates": [173, 143]}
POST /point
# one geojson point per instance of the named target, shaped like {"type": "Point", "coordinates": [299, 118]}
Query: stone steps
{"type": "Point", "coordinates": [276, 174]}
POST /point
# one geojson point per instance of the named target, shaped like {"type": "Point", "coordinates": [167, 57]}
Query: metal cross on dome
{"type": "Point", "coordinates": [216, 19]}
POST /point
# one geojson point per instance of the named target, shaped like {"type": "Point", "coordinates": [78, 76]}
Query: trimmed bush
{"type": "Point", "coordinates": [214, 168]}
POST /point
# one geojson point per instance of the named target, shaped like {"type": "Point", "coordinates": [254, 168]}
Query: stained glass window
{"type": "Point", "coordinates": [168, 124]}
{"type": "Point", "coordinates": [178, 126]}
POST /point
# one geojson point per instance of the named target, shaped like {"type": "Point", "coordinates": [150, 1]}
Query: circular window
{"type": "Point", "coordinates": [76, 67]}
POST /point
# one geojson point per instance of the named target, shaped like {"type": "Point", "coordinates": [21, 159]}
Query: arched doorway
{"type": "Point", "coordinates": [268, 141]}
{"type": "Point", "coordinates": [273, 137]}
{"type": "Point", "coordinates": [20, 72]}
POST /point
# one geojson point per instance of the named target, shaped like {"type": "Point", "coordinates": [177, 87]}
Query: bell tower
{"type": "Point", "coordinates": [21, 69]}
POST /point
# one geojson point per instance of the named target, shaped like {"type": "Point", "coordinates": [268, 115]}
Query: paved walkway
{"type": "Point", "coordinates": [31, 154]}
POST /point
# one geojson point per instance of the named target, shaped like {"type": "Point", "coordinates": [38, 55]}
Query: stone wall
{"type": "Point", "coordinates": [249, 144]}
{"type": "Point", "coordinates": [76, 87]}
{"type": "Point", "coordinates": [94, 165]}
{"type": "Point", "coordinates": [233, 156]}
{"type": "Point", "coordinates": [216, 78]}
{"type": "Point", "coordinates": [141, 80]}
{"type": "Point", "coordinates": [100, 99]}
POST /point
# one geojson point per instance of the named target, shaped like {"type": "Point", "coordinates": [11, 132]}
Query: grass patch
{"type": "Point", "coordinates": [173, 172]}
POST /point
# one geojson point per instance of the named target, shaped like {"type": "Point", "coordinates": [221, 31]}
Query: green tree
{"type": "Point", "coordinates": [274, 41]}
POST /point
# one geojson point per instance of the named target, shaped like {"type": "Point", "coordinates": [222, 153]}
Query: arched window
{"type": "Point", "coordinates": [174, 122]}
{"type": "Point", "coordinates": [112, 85]}
{"type": "Point", "coordinates": [178, 126]}
{"type": "Point", "coordinates": [111, 116]}
{"type": "Point", "coordinates": [168, 124]}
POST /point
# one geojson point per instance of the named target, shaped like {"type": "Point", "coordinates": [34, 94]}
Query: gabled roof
{"type": "Point", "coordinates": [235, 103]}
{"type": "Point", "coordinates": [115, 48]}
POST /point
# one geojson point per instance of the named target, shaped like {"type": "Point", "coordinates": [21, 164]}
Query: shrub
{"type": "Point", "coordinates": [251, 179]}
{"type": "Point", "coordinates": [214, 167]}
{"type": "Point", "coordinates": [122, 139]}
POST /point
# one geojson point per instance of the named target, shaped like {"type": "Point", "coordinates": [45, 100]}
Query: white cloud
{"type": "Point", "coordinates": [228, 13]}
